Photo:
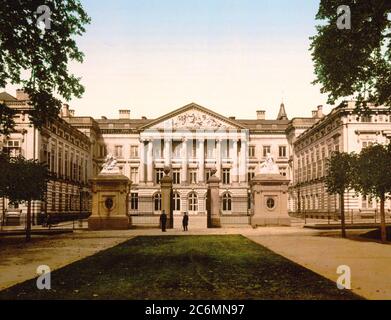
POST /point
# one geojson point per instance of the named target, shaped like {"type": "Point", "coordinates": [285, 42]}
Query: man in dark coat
{"type": "Point", "coordinates": [163, 221]}
{"type": "Point", "coordinates": [185, 221]}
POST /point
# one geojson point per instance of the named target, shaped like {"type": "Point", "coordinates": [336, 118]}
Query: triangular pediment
{"type": "Point", "coordinates": [193, 117]}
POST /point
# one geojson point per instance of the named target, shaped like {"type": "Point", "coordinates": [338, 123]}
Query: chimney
{"type": "Point", "coordinates": [124, 114]}
{"type": "Point", "coordinates": [71, 113]}
{"type": "Point", "coordinates": [320, 111]}
{"type": "Point", "coordinates": [314, 113]}
{"type": "Point", "coordinates": [232, 118]}
{"type": "Point", "coordinates": [261, 115]}
{"type": "Point", "coordinates": [65, 111]}
{"type": "Point", "coordinates": [21, 95]}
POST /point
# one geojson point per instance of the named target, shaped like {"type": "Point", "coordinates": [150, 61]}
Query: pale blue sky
{"type": "Point", "coordinates": [233, 56]}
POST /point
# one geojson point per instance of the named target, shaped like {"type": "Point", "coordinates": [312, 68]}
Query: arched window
{"type": "Point", "coordinates": [227, 202]}
{"type": "Point", "coordinates": [193, 202]}
{"type": "Point", "coordinates": [157, 199]}
{"type": "Point", "coordinates": [177, 201]}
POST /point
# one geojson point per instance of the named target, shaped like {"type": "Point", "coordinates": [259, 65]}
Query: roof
{"type": "Point", "coordinates": [189, 106]}
{"type": "Point", "coordinates": [4, 96]}
{"type": "Point", "coordinates": [282, 113]}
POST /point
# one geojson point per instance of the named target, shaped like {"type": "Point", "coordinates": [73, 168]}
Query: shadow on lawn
{"type": "Point", "coordinates": [183, 267]}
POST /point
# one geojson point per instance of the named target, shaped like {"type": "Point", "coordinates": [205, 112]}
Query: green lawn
{"type": "Point", "coordinates": [183, 267]}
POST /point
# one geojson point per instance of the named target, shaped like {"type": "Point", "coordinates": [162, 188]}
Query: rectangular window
{"type": "Point", "coordinates": [250, 174]}
{"type": "Point", "coordinates": [134, 201]}
{"type": "Point", "coordinates": [134, 175]}
{"type": "Point", "coordinates": [266, 150]}
{"type": "Point", "coordinates": [52, 166]}
{"type": "Point", "coordinates": [176, 176]}
{"type": "Point", "coordinates": [251, 151]}
{"type": "Point", "coordinates": [12, 148]}
{"type": "Point", "coordinates": [208, 174]}
{"type": "Point", "coordinates": [282, 151]}
{"type": "Point", "coordinates": [366, 119]}
{"type": "Point", "coordinates": [159, 173]}
{"type": "Point", "coordinates": [366, 144]}
{"type": "Point", "coordinates": [66, 165]}
{"type": "Point", "coordinates": [226, 176]}
{"type": "Point", "coordinates": [193, 176]}
{"type": "Point", "coordinates": [60, 172]}
{"type": "Point", "coordinates": [134, 151]}
{"type": "Point", "coordinates": [118, 151]}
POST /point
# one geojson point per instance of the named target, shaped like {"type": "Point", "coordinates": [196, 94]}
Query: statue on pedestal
{"type": "Point", "coordinates": [269, 166]}
{"type": "Point", "coordinates": [110, 165]}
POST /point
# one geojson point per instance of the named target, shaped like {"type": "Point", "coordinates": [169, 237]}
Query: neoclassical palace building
{"type": "Point", "coordinates": [192, 140]}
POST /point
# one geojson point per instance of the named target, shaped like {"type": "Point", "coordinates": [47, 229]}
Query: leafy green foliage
{"type": "Point", "coordinates": [374, 178]}
{"type": "Point", "coordinates": [37, 60]}
{"type": "Point", "coordinates": [340, 177]}
{"type": "Point", "coordinates": [26, 180]}
{"type": "Point", "coordinates": [340, 172]}
{"type": "Point", "coordinates": [357, 61]}
{"type": "Point", "coordinates": [374, 167]}
{"type": "Point", "coordinates": [5, 173]}
{"type": "Point", "coordinates": [6, 119]}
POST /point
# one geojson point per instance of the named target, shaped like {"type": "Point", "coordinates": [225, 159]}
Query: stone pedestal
{"type": "Point", "coordinates": [110, 198]}
{"type": "Point", "coordinates": [166, 190]}
{"type": "Point", "coordinates": [213, 202]}
{"type": "Point", "coordinates": [270, 200]}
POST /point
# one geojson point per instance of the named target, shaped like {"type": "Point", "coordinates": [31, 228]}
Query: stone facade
{"type": "Point", "coordinates": [192, 141]}
{"type": "Point", "coordinates": [66, 150]}
{"type": "Point", "coordinates": [341, 130]}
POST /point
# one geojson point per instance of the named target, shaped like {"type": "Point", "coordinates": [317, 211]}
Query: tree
{"type": "Point", "coordinates": [374, 178]}
{"type": "Point", "coordinates": [26, 182]}
{"type": "Point", "coordinates": [339, 178]}
{"type": "Point", "coordinates": [4, 177]}
{"type": "Point", "coordinates": [36, 58]}
{"type": "Point", "coordinates": [356, 61]}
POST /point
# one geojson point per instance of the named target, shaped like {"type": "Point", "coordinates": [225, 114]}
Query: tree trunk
{"type": "Point", "coordinates": [28, 221]}
{"type": "Point", "coordinates": [383, 230]}
{"type": "Point", "coordinates": [342, 207]}
{"type": "Point", "coordinates": [3, 213]}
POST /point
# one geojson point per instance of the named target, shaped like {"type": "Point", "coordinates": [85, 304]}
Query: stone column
{"type": "Point", "coordinates": [234, 156]}
{"type": "Point", "coordinates": [167, 152]}
{"type": "Point", "coordinates": [142, 161]}
{"type": "Point", "coordinates": [213, 201]}
{"type": "Point", "coordinates": [218, 159]}
{"type": "Point", "coordinates": [184, 161]}
{"type": "Point", "coordinates": [150, 162]}
{"type": "Point", "coordinates": [201, 160]}
{"type": "Point", "coordinates": [243, 162]}
{"type": "Point", "coordinates": [166, 190]}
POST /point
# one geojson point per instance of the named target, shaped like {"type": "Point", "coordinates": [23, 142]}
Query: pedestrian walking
{"type": "Point", "coordinates": [163, 221]}
{"type": "Point", "coordinates": [185, 221]}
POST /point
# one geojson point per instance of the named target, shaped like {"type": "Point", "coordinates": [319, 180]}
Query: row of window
{"type": "Point", "coordinates": [176, 201]}
{"type": "Point", "coordinates": [193, 175]}
{"type": "Point", "coordinates": [282, 151]}
{"type": "Point", "coordinates": [210, 150]}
